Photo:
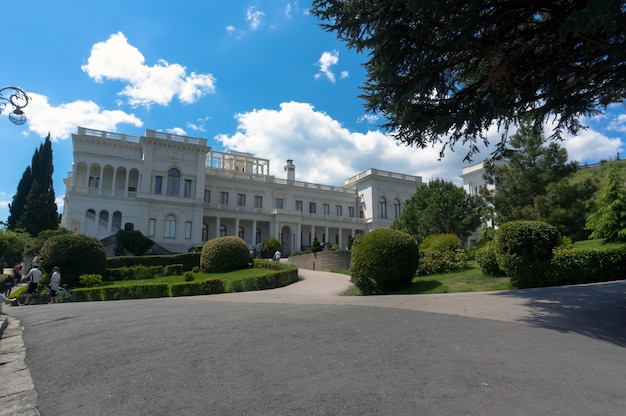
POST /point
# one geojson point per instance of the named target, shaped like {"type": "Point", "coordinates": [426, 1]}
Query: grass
{"type": "Point", "coordinates": [472, 279]}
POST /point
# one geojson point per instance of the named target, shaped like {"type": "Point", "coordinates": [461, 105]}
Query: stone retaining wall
{"type": "Point", "coordinates": [324, 261]}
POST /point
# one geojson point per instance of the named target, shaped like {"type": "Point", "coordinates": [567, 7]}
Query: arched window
{"type": "Point", "coordinates": [205, 232]}
{"type": "Point", "coordinates": [223, 231]}
{"type": "Point", "coordinates": [382, 207]}
{"type": "Point", "coordinates": [258, 235]}
{"type": "Point", "coordinates": [103, 219]}
{"type": "Point", "coordinates": [173, 182]}
{"type": "Point", "coordinates": [170, 227]}
{"type": "Point", "coordinates": [397, 208]}
{"type": "Point", "coordinates": [242, 233]}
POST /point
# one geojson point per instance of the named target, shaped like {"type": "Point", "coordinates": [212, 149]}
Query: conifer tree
{"type": "Point", "coordinates": [34, 208]}
{"type": "Point", "coordinates": [609, 221]}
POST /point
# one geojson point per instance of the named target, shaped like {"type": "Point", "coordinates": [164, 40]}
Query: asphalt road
{"type": "Point", "coordinates": [304, 350]}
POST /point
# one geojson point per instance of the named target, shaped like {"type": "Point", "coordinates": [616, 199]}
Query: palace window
{"type": "Point", "coordinates": [173, 182]}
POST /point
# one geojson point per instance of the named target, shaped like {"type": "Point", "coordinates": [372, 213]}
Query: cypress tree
{"type": "Point", "coordinates": [35, 206]}
{"type": "Point", "coordinates": [16, 208]}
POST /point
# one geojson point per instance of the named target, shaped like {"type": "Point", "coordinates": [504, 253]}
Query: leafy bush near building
{"type": "Point", "coordinates": [90, 280]}
{"type": "Point", "coordinates": [224, 254]}
{"type": "Point", "coordinates": [524, 250]}
{"type": "Point", "coordinates": [132, 241]}
{"type": "Point", "coordinates": [440, 253]}
{"type": "Point", "coordinates": [384, 259]}
{"type": "Point", "coordinates": [75, 255]}
{"type": "Point", "coordinates": [486, 259]}
{"type": "Point", "coordinates": [269, 248]}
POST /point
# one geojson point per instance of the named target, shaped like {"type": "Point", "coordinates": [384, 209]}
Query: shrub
{"type": "Point", "coordinates": [173, 269]}
{"type": "Point", "coordinates": [132, 241]}
{"type": "Point", "coordinates": [224, 254]}
{"type": "Point", "coordinates": [524, 250]}
{"type": "Point", "coordinates": [441, 253]}
{"type": "Point", "coordinates": [441, 242]}
{"type": "Point", "coordinates": [189, 276]}
{"type": "Point", "coordinates": [486, 259]}
{"type": "Point", "coordinates": [269, 248]}
{"type": "Point", "coordinates": [316, 246]}
{"type": "Point", "coordinates": [383, 259]}
{"type": "Point", "coordinates": [587, 265]}
{"type": "Point", "coordinates": [90, 280]}
{"type": "Point", "coordinates": [75, 254]}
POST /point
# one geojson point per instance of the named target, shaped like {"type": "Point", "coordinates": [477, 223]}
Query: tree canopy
{"type": "Point", "coordinates": [440, 207]}
{"type": "Point", "coordinates": [538, 183]}
{"type": "Point", "coordinates": [442, 72]}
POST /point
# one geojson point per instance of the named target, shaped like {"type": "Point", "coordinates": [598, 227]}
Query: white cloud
{"type": "Point", "coordinates": [63, 120]}
{"type": "Point", "coordinates": [230, 28]}
{"type": "Point", "coordinates": [591, 145]}
{"type": "Point", "coordinates": [326, 152]}
{"type": "Point", "coordinates": [254, 17]}
{"type": "Point", "coordinates": [178, 131]}
{"type": "Point", "coordinates": [116, 59]}
{"type": "Point", "coordinates": [326, 61]}
{"type": "Point", "coordinates": [618, 124]}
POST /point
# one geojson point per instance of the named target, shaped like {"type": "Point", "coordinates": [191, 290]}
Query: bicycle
{"type": "Point", "coordinates": [64, 294]}
{"type": "Point", "coordinates": [41, 295]}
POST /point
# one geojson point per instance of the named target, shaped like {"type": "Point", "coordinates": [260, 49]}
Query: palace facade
{"type": "Point", "coordinates": [180, 192]}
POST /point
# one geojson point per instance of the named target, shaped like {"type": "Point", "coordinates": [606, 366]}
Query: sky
{"type": "Point", "coordinates": [252, 76]}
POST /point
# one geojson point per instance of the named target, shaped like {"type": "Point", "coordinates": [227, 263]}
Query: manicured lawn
{"type": "Point", "coordinates": [471, 279]}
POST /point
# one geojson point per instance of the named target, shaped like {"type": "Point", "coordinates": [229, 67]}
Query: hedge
{"type": "Point", "coordinates": [188, 260]}
{"type": "Point", "coordinates": [587, 265]}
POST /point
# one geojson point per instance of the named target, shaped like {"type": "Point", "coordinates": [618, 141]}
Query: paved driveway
{"type": "Point", "coordinates": [305, 350]}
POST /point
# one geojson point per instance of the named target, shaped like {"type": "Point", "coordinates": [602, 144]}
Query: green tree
{"type": "Point", "coordinates": [440, 207]}
{"type": "Point", "coordinates": [452, 68]}
{"type": "Point", "coordinates": [16, 208]}
{"type": "Point", "coordinates": [609, 220]}
{"type": "Point", "coordinates": [13, 245]}
{"type": "Point", "coordinates": [35, 208]}
{"type": "Point", "coordinates": [536, 184]}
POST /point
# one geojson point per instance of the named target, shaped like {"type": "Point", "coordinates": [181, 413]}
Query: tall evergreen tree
{"type": "Point", "coordinates": [533, 164]}
{"type": "Point", "coordinates": [39, 209]}
{"type": "Point", "coordinates": [609, 221]}
{"type": "Point", "coordinates": [16, 208]}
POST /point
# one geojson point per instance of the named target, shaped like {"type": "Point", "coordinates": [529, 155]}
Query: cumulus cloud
{"type": "Point", "coordinates": [326, 61]}
{"type": "Point", "coordinates": [116, 59]}
{"type": "Point", "coordinates": [63, 120]}
{"type": "Point", "coordinates": [326, 152]}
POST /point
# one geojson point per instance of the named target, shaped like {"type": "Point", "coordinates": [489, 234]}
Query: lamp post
{"type": "Point", "coordinates": [17, 99]}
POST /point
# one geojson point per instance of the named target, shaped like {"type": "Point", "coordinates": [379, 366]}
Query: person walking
{"type": "Point", "coordinates": [8, 285]}
{"type": "Point", "coordinates": [55, 282]}
{"type": "Point", "coordinates": [33, 281]}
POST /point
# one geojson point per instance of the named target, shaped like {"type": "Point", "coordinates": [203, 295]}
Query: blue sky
{"type": "Point", "coordinates": [252, 76]}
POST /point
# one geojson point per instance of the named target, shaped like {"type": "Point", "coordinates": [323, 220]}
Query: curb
{"type": "Point", "coordinates": [19, 396]}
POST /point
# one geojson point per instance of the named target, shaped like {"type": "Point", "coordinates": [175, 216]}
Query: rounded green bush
{"type": "Point", "coordinates": [269, 248]}
{"type": "Point", "coordinates": [384, 259]}
{"type": "Point", "coordinates": [524, 250]}
{"type": "Point", "coordinates": [224, 254]}
{"type": "Point", "coordinates": [486, 259]}
{"type": "Point", "coordinates": [75, 255]}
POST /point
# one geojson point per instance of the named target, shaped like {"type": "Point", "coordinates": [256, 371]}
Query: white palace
{"type": "Point", "coordinates": [179, 192]}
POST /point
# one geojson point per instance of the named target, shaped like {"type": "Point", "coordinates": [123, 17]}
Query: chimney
{"type": "Point", "coordinates": [290, 170]}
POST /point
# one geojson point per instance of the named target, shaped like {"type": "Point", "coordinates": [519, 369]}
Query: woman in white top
{"type": "Point", "coordinates": [55, 281]}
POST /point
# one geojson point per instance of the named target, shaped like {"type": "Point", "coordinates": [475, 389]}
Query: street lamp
{"type": "Point", "coordinates": [17, 99]}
